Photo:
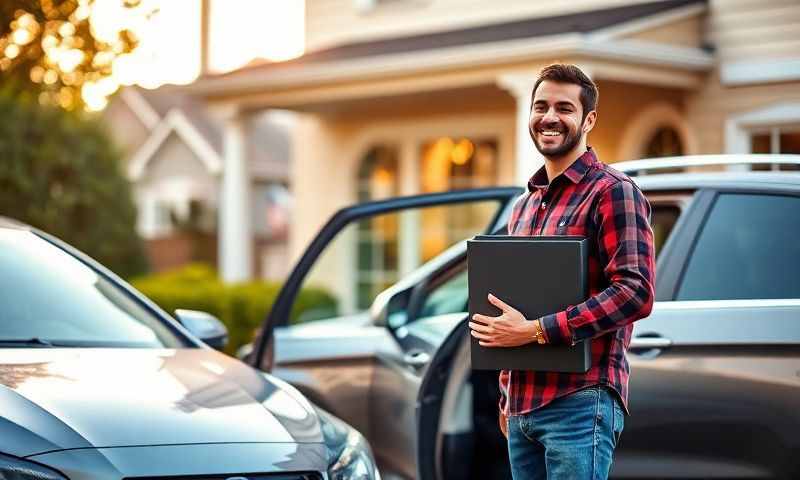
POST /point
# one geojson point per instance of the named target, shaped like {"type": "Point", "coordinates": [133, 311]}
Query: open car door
{"type": "Point", "coordinates": [498, 200]}
{"type": "Point", "coordinates": [340, 328]}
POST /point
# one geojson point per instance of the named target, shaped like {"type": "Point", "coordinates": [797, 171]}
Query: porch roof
{"type": "Point", "coordinates": [581, 22]}
{"type": "Point", "coordinates": [595, 35]}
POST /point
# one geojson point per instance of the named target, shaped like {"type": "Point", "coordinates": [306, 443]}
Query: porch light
{"type": "Point", "coordinates": [462, 152]}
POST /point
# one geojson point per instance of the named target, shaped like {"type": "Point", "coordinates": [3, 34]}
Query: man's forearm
{"type": "Point", "coordinates": [589, 320]}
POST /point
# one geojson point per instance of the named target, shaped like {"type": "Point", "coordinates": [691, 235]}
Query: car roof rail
{"type": "Point", "coordinates": [673, 164]}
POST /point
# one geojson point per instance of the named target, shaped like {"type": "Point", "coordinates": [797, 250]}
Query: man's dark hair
{"type": "Point", "coordinates": [565, 73]}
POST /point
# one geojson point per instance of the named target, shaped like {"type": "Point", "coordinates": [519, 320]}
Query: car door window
{"type": "Point", "coordinates": [749, 248]}
{"type": "Point", "coordinates": [450, 295]}
{"type": "Point", "coordinates": [368, 256]}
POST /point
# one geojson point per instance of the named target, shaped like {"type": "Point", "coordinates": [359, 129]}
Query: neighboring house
{"type": "Point", "coordinates": [173, 148]}
{"type": "Point", "coordinates": [410, 96]}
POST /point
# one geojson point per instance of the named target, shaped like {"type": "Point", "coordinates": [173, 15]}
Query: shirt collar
{"type": "Point", "coordinates": [573, 173]}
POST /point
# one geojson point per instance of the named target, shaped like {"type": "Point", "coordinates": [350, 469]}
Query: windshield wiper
{"type": "Point", "coordinates": [25, 342]}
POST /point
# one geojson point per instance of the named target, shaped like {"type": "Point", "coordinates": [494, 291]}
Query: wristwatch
{"type": "Point", "coordinates": [539, 335]}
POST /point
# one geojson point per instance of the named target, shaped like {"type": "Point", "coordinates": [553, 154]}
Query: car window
{"type": "Point", "coordinates": [451, 295]}
{"type": "Point", "coordinates": [368, 256]}
{"type": "Point", "coordinates": [749, 248]}
{"type": "Point", "coordinates": [663, 220]}
{"type": "Point", "coordinates": [48, 294]}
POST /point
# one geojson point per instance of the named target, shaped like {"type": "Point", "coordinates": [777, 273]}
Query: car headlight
{"type": "Point", "coordinates": [17, 469]}
{"type": "Point", "coordinates": [355, 462]}
{"type": "Point", "coordinates": [351, 457]}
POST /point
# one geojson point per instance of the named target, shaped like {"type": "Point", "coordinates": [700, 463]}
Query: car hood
{"type": "Point", "coordinates": [55, 399]}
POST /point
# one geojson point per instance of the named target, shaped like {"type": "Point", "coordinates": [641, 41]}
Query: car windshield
{"type": "Point", "coordinates": [50, 298]}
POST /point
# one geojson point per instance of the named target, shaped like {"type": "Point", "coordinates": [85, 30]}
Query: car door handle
{"type": "Point", "coordinates": [416, 358]}
{"type": "Point", "coordinates": [649, 343]}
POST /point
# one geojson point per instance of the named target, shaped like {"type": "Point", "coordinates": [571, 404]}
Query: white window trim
{"type": "Point", "coordinates": [739, 128]}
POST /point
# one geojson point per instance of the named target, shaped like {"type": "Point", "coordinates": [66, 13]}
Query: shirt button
{"type": "Point", "coordinates": [544, 205]}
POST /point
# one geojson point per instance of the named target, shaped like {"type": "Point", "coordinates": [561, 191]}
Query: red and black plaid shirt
{"type": "Point", "coordinates": [593, 200]}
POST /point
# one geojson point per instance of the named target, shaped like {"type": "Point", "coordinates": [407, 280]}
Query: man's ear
{"type": "Point", "coordinates": [588, 123]}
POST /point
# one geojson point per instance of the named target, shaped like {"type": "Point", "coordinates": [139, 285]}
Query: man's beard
{"type": "Point", "coordinates": [571, 139]}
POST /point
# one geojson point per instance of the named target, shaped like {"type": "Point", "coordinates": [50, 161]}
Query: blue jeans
{"type": "Point", "coordinates": [571, 438]}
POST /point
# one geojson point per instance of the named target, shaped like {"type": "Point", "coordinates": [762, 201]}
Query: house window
{"type": "Point", "coordinates": [454, 164]}
{"type": "Point", "coordinates": [377, 239]}
{"type": "Point", "coordinates": [163, 212]}
{"type": "Point", "coordinates": [665, 142]}
{"type": "Point", "coordinates": [781, 139]}
{"type": "Point", "coordinates": [271, 210]}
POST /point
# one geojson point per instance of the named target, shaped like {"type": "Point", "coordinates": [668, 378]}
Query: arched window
{"type": "Point", "coordinates": [659, 130]}
{"type": "Point", "coordinates": [377, 174]}
{"type": "Point", "coordinates": [665, 142]}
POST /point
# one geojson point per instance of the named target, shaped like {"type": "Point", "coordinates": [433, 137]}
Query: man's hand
{"type": "Point", "coordinates": [510, 329]}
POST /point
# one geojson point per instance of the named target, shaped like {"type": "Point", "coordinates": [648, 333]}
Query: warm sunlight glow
{"type": "Point", "coordinates": [169, 42]}
{"type": "Point", "coordinates": [242, 30]}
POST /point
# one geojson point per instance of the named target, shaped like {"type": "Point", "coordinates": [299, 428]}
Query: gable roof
{"type": "Point", "coordinates": [168, 110]}
{"type": "Point", "coordinates": [579, 23]}
{"type": "Point", "coordinates": [174, 122]}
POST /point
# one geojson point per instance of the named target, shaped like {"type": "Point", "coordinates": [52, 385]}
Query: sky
{"type": "Point", "coordinates": [169, 48]}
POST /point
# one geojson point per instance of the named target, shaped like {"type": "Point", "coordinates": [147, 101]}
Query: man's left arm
{"type": "Point", "coordinates": [625, 247]}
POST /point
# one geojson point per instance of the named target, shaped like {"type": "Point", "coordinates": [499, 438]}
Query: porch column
{"type": "Point", "coordinates": [235, 232]}
{"type": "Point", "coordinates": [410, 234]}
{"type": "Point", "coordinates": [528, 159]}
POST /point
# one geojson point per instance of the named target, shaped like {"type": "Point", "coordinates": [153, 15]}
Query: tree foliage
{"type": "Point", "coordinates": [60, 173]}
{"type": "Point", "coordinates": [50, 46]}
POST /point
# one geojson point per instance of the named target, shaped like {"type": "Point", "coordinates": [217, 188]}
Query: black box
{"type": "Point", "coordinates": [537, 276]}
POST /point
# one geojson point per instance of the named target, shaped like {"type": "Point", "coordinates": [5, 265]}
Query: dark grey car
{"type": "Point", "coordinates": [715, 389]}
{"type": "Point", "coordinates": [97, 383]}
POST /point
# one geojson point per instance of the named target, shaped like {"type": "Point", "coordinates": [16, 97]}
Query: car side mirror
{"type": "Point", "coordinates": [389, 307]}
{"type": "Point", "coordinates": [205, 326]}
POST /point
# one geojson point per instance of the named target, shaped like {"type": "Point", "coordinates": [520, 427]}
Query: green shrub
{"type": "Point", "coordinates": [242, 307]}
{"type": "Point", "coordinates": [61, 173]}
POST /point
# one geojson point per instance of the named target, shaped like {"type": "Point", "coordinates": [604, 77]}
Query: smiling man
{"type": "Point", "coordinates": [566, 425]}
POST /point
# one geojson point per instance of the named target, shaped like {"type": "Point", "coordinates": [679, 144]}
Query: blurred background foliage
{"type": "Point", "coordinates": [242, 307]}
{"type": "Point", "coordinates": [50, 47]}
{"type": "Point", "coordinates": [61, 173]}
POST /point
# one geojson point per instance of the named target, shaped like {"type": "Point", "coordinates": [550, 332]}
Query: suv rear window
{"type": "Point", "coordinates": [749, 248]}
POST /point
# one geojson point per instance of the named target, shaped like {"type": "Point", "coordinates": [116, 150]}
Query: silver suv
{"type": "Point", "coordinates": [715, 388]}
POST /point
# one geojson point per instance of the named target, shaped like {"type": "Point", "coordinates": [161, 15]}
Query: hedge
{"type": "Point", "coordinates": [242, 307]}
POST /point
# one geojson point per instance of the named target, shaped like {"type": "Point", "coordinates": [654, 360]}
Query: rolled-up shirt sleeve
{"type": "Point", "coordinates": [626, 252]}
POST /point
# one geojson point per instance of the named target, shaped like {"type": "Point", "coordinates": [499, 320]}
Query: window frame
{"type": "Point", "coordinates": [774, 133]}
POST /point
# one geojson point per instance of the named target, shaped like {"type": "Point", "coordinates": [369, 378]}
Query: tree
{"type": "Point", "coordinates": [50, 46]}
{"type": "Point", "coordinates": [61, 173]}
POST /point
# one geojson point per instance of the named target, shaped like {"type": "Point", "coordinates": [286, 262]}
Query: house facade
{"type": "Point", "coordinates": [173, 156]}
{"type": "Point", "coordinates": [397, 97]}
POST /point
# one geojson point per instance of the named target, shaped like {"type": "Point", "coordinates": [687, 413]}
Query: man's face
{"type": "Point", "coordinates": [556, 118]}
